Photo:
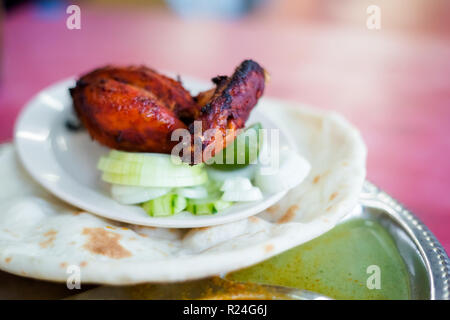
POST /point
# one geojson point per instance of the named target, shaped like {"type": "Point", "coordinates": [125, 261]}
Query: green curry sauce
{"type": "Point", "coordinates": [336, 265]}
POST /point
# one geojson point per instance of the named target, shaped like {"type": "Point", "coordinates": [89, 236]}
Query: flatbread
{"type": "Point", "coordinates": [42, 237]}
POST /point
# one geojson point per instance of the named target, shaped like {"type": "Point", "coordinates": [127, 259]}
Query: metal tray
{"type": "Point", "coordinates": [425, 258]}
{"type": "Point", "coordinates": [427, 262]}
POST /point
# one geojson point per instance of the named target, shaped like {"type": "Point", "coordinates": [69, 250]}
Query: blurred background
{"type": "Point", "coordinates": [393, 83]}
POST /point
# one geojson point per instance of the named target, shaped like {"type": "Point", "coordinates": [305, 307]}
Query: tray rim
{"type": "Point", "coordinates": [433, 253]}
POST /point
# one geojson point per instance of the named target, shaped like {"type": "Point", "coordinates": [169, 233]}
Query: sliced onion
{"type": "Point", "coordinates": [237, 184]}
{"type": "Point", "coordinates": [292, 170]}
{"type": "Point", "coordinates": [253, 194]}
{"type": "Point", "coordinates": [149, 170]}
{"type": "Point", "coordinates": [132, 194]}
{"type": "Point", "coordinates": [199, 192]}
{"type": "Point", "coordinates": [155, 181]}
{"type": "Point", "coordinates": [222, 175]}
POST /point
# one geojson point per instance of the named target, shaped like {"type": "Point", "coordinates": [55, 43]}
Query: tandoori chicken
{"type": "Point", "coordinates": [136, 109]}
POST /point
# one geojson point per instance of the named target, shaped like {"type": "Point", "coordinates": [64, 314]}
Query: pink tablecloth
{"type": "Point", "coordinates": [394, 88]}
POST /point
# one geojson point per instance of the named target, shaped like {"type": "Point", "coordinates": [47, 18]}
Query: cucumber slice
{"type": "Point", "coordinates": [243, 151]}
{"type": "Point", "coordinates": [159, 180]}
{"type": "Point", "coordinates": [220, 205]}
{"type": "Point", "coordinates": [200, 208]}
{"type": "Point", "coordinates": [166, 205]}
{"type": "Point", "coordinates": [205, 207]}
{"type": "Point", "coordinates": [179, 203]}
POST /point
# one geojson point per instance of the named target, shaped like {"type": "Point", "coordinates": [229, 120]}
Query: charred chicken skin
{"type": "Point", "coordinates": [132, 109]}
{"type": "Point", "coordinates": [136, 109]}
{"type": "Point", "coordinates": [227, 108]}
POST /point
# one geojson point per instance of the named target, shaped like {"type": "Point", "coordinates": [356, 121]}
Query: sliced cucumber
{"type": "Point", "coordinates": [241, 152]}
{"type": "Point", "coordinates": [205, 207]}
{"type": "Point", "coordinates": [200, 208]}
{"type": "Point", "coordinates": [220, 205]}
{"type": "Point", "coordinates": [166, 205]}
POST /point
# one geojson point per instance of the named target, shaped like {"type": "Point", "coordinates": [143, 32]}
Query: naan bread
{"type": "Point", "coordinates": [41, 237]}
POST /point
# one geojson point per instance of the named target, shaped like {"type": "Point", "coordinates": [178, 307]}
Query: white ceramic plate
{"type": "Point", "coordinates": [64, 162]}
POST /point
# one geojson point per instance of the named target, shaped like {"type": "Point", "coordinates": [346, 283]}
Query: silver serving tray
{"type": "Point", "coordinates": [426, 260]}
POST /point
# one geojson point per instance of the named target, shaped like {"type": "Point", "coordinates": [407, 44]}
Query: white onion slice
{"type": "Point", "coordinates": [237, 184]}
{"type": "Point", "coordinates": [133, 194]}
{"type": "Point", "coordinates": [292, 170]}
{"type": "Point", "coordinates": [198, 192]}
{"type": "Point", "coordinates": [222, 175]}
{"type": "Point", "coordinates": [253, 194]}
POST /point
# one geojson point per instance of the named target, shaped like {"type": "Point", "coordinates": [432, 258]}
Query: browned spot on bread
{"type": "Point", "coordinates": [316, 179]}
{"type": "Point", "coordinates": [110, 227]}
{"type": "Point", "coordinates": [329, 208]}
{"type": "Point", "coordinates": [63, 265]}
{"type": "Point", "coordinates": [83, 264]}
{"type": "Point", "coordinates": [268, 248]}
{"type": "Point", "coordinates": [8, 260]}
{"type": "Point", "coordinates": [50, 233]}
{"type": "Point", "coordinates": [253, 219]}
{"type": "Point", "coordinates": [106, 243]}
{"type": "Point", "coordinates": [143, 235]}
{"type": "Point", "coordinates": [273, 209]}
{"type": "Point", "coordinates": [333, 195]}
{"type": "Point", "coordinates": [289, 214]}
{"type": "Point", "coordinates": [51, 236]}
{"type": "Point", "coordinates": [76, 213]}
